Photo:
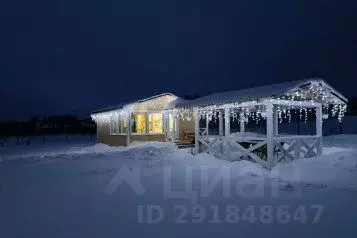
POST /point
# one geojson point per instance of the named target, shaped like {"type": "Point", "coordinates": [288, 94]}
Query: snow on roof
{"type": "Point", "coordinates": [122, 105]}
{"type": "Point", "coordinates": [268, 91]}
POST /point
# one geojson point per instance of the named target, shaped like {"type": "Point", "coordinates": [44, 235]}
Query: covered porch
{"type": "Point", "coordinates": [266, 149]}
{"type": "Point", "coordinates": [223, 121]}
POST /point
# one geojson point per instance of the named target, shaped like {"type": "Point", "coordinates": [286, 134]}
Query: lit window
{"type": "Point", "coordinates": [171, 123]}
{"type": "Point", "coordinates": [139, 123]}
{"type": "Point", "coordinates": [155, 123]}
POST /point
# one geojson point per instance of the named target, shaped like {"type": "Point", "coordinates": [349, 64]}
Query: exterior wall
{"type": "Point", "coordinates": [103, 136]}
{"type": "Point", "coordinates": [156, 137]}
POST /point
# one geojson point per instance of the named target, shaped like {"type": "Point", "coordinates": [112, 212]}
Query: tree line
{"type": "Point", "coordinates": [48, 125]}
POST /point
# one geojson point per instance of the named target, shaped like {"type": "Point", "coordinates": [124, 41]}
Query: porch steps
{"type": "Point", "coordinates": [184, 144]}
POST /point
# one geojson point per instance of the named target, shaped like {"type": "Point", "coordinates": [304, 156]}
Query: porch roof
{"type": "Point", "coordinates": [268, 91]}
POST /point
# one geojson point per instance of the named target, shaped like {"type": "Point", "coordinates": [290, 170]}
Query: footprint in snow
{"type": "Point", "coordinates": [287, 187]}
{"type": "Point", "coordinates": [309, 185]}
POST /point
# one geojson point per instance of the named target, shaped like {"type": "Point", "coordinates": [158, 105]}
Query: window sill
{"type": "Point", "coordinates": [147, 134]}
{"type": "Point", "coordinates": [139, 134]}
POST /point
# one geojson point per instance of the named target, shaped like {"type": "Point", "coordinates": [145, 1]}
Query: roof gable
{"type": "Point", "coordinates": [268, 91]}
{"type": "Point", "coordinates": [141, 101]}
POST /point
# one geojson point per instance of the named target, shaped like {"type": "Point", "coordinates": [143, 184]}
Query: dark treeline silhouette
{"type": "Point", "coordinates": [51, 125]}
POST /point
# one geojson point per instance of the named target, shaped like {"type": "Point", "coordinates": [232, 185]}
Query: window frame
{"type": "Point", "coordinates": [146, 114]}
{"type": "Point", "coordinates": [162, 123]}
{"type": "Point", "coordinates": [115, 125]}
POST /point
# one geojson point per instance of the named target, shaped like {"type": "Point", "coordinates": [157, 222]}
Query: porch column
{"type": "Point", "coordinates": [207, 124]}
{"type": "Point", "coordinates": [227, 122]}
{"type": "Point", "coordinates": [220, 122]}
{"type": "Point", "coordinates": [176, 125]}
{"type": "Point", "coordinates": [242, 122]}
{"type": "Point", "coordinates": [128, 126]}
{"type": "Point", "coordinates": [270, 134]}
{"type": "Point", "coordinates": [197, 130]}
{"type": "Point", "coordinates": [319, 127]}
{"type": "Point", "coordinates": [276, 122]}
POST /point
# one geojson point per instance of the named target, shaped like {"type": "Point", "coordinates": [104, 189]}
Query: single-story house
{"type": "Point", "coordinates": [206, 121]}
{"type": "Point", "coordinates": [145, 119]}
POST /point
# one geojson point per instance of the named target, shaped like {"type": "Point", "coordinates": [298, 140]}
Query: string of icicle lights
{"type": "Point", "coordinates": [332, 107]}
{"type": "Point", "coordinates": [285, 114]}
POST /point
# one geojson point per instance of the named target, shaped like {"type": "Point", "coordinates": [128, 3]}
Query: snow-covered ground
{"type": "Point", "coordinates": [155, 190]}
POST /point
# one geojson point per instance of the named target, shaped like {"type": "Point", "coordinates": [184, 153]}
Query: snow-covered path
{"type": "Point", "coordinates": [99, 191]}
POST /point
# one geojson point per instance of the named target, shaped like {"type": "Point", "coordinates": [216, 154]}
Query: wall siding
{"type": "Point", "coordinates": [103, 136]}
{"type": "Point", "coordinates": [157, 137]}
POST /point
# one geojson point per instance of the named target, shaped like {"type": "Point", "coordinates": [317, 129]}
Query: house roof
{"type": "Point", "coordinates": [268, 91]}
{"type": "Point", "coordinates": [127, 103]}
{"type": "Point", "coordinates": [256, 93]}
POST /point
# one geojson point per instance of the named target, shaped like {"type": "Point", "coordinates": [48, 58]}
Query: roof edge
{"type": "Point", "coordinates": [121, 106]}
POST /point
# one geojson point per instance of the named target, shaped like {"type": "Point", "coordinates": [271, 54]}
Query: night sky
{"type": "Point", "coordinates": [72, 56]}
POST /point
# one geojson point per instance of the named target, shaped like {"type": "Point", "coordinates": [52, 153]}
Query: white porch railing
{"type": "Point", "coordinates": [256, 149]}
{"type": "Point", "coordinates": [267, 151]}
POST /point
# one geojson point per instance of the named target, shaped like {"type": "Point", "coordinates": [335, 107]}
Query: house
{"type": "Point", "coordinates": [142, 120]}
{"type": "Point", "coordinates": [208, 121]}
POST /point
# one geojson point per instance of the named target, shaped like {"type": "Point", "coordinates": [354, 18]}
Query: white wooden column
{"type": "Point", "coordinates": [197, 130]}
{"type": "Point", "coordinates": [220, 122]}
{"type": "Point", "coordinates": [242, 122]}
{"type": "Point", "coordinates": [207, 124]}
{"type": "Point", "coordinates": [128, 126]}
{"type": "Point", "coordinates": [270, 134]}
{"type": "Point", "coordinates": [176, 118]}
{"type": "Point", "coordinates": [319, 127]}
{"type": "Point", "coordinates": [276, 122]}
{"type": "Point", "coordinates": [227, 122]}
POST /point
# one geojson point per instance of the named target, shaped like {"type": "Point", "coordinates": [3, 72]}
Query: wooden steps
{"type": "Point", "coordinates": [184, 144]}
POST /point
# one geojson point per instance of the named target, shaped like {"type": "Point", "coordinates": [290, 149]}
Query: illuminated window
{"type": "Point", "coordinates": [139, 123]}
{"type": "Point", "coordinates": [155, 123]}
{"type": "Point", "coordinates": [171, 123]}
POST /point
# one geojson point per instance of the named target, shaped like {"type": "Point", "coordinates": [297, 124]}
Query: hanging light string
{"type": "Point", "coordinates": [332, 106]}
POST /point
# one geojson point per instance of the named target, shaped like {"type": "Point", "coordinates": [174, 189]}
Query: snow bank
{"type": "Point", "coordinates": [337, 168]}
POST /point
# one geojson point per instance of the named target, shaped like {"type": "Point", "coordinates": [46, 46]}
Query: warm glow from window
{"type": "Point", "coordinates": [139, 123]}
{"type": "Point", "coordinates": [171, 123]}
{"type": "Point", "coordinates": [155, 123]}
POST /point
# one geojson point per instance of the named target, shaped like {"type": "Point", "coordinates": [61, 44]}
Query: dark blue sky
{"type": "Point", "coordinates": [77, 55]}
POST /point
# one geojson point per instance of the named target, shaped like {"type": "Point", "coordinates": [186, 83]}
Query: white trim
{"type": "Point", "coordinates": [333, 90]}
{"type": "Point", "coordinates": [147, 134]}
{"type": "Point", "coordinates": [305, 104]}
